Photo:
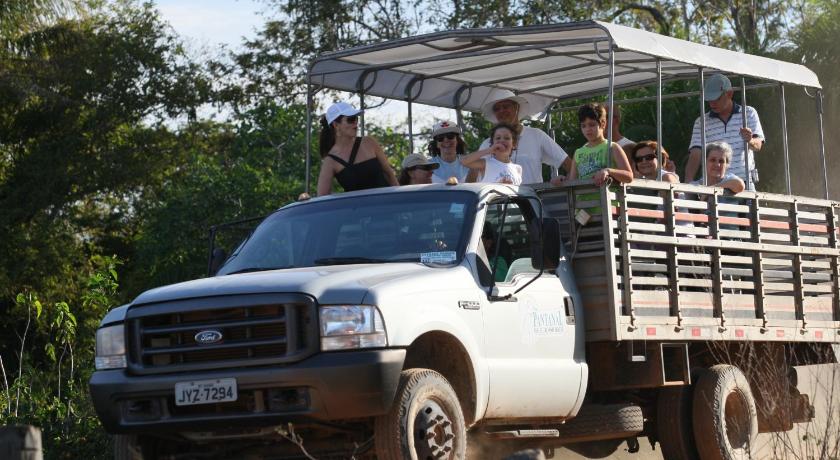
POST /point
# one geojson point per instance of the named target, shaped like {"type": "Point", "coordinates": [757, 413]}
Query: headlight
{"type": "Point", "coordinates": [352, 326]}
{"type": "Point", "coordinates": [110, 347]}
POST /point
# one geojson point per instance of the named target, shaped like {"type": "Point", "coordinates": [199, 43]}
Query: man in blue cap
{"type": "Point", "coordinates": [724, 122]}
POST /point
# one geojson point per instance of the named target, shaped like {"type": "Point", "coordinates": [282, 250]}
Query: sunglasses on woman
{"type": "Point", "coordinates": [423, 167]}
{"type": "Point", "coordinates": [350, 120]}
{"type": "Point", "coordinates": [441, 137]}
{"type": "Point", "coordinates": [648, 157]}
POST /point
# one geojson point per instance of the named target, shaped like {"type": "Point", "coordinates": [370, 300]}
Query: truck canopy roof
{"type": "Point", "coordinates": [462, 69]}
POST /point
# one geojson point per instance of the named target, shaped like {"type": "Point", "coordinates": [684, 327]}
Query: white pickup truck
{"type": "Point", "coordinates": [453, 321]}
{"type": "Point", "coordinates": [372, 322]}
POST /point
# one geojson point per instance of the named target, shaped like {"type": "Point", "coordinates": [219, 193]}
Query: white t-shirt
{"type": "Point", "coordinates": [533, 149]}
{"type": "Point", "coordinates": [497, 172]}
{"type": "Point", "coordinates": [624, 142]}
{"type": "Point", "coordinates": [447, 170]}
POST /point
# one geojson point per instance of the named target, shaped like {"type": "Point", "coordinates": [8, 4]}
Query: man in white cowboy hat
{"type": "Point", "coordinates": [724, 122]}
{"type": "Point", "coordinates": [534, 147]}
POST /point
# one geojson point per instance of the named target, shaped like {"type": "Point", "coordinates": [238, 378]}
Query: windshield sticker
{"type": "Point", "coordinates": [440, 257]}
{"type": "Point", "coordinates": [457, 209]}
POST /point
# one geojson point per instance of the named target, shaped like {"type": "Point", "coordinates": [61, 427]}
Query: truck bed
{"type": "Point", "coordinates": [662, 261]}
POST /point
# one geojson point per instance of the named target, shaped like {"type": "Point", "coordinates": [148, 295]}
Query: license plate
{"type": "Point", "coordinates": [205, 392]}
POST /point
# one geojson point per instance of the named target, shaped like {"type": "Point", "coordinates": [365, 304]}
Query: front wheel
{"type": "Point", "coordinates": [133, 447]}
{"type": "Point", "coordinates": [424, 422]}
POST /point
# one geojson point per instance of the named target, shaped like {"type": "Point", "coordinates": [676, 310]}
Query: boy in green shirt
{"type": "Point", "coordinates": [598, 159]}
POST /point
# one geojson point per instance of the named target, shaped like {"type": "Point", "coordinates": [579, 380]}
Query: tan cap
{"type": "Point", "coordinates": [418, 159]}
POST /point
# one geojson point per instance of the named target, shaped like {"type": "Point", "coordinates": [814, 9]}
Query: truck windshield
{"type": "Point", "coordinates": [423, 226]}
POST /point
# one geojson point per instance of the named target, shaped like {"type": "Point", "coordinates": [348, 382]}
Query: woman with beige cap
{"type": "Point", "coordinates": [534, 147]}
{"type": "Point", "coordinates": [357, 163]}
{"type": "Point", "coordinates": [446, 149]}
{"type": "Point", "coordinates": [417, 169]}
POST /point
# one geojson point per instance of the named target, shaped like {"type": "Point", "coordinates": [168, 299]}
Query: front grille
{"type": "Point", "coordinates": [250, 335]}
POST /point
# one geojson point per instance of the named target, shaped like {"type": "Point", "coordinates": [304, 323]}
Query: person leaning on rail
{"type": "Point", "coordinates": [357, 163]}
{"type": "Point", "coordinates": [534, 146]}
{"type": "Point", "coordinates": [724, 122]}
{"type": "Point", "coordinates": [646, 164]}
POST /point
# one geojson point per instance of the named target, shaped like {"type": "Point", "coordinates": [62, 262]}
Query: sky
{"type": "Point", "coordinates": [207, 24]}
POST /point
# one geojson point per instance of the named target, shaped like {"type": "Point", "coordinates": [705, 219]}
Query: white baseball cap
{"type": "Point", "coordinates": [444, 127]}
{"type": "Point", "coordinates": [341, 109]}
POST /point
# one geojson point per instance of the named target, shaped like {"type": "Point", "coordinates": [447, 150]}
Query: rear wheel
{"type": "Point", "coordinates": [725, 417]}
{"type": "Point", "coordinates": [673, 423]}
{"type": "Point", "coordinates": [425, 421]}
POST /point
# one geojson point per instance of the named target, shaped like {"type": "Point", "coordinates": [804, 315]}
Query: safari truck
{"type": "Point", "coordinates": [373, 324]}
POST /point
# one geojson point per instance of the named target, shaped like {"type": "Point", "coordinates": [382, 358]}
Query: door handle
{"type": "Point", "coordinates": [569, 304]}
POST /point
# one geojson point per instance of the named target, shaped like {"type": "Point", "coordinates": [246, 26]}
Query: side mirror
{"type": "Point", "coordinates": [547, 255]}
{"type": "Point", "coordinates": [217, 258]}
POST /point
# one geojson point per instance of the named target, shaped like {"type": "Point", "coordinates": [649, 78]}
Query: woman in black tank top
{"type": "Point", "coordinates": [356, 163]}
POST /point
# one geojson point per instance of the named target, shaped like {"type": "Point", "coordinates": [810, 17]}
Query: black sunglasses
{"type": "Point", "coordinates": [430, 167]}
{"type": "Point", "coordinates": [350, 120]}
{"type": "Point", "coordinates": [441, 137]}
{"type": "Point", "coordinates": [648, 157]}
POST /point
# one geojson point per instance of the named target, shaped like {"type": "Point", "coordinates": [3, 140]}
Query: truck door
{"type": "Point", "coordinates": [534, 361]}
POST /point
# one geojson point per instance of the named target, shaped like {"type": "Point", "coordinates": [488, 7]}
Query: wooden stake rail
{"type": "Point", "coordinates": [663, 261]}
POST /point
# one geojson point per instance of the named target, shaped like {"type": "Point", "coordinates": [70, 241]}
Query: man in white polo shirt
{"type": "Point", "coordinates": [724, 122]}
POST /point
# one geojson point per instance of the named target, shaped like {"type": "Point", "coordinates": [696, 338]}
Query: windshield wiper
{"type": "Point", "coordinates": [351, 260]}
{"type": "Point", "coordinates": [257, 269]}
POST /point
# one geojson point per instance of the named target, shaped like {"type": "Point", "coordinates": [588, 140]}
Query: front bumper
{"type": "Point", "coordinates": [326, 386]}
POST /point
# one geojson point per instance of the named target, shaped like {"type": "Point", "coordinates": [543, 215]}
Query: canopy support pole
{"type": "Point", "coordinates": [554, 171]}
{"type": "Point", "coordinates": [610, 97]}
{"type": "Point", "coordinates": [306, 179]}
{"type": "Point", "coordinates": [785, 138]}
{"type": "Point", "coordinates": [748, 174]}
{"type": "Point", "coordinates": [822, 139]}
{"type": "Point", "coordinates": [410, 129]}
{"type": "Point", "coordinates": [702, 129]}
{"type": "Point", "coordinates": [362, 115]}
{"type": "Point", "coordinates": [658, 119]}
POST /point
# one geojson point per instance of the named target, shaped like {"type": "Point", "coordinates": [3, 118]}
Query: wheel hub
{"type": "Point", "coordinates": [434, 438]}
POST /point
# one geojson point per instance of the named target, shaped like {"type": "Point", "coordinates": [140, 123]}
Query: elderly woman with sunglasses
{"type": "Point", "coordinates": [357, 163]}
{"type": "Point", "coordinates": [646, 164]}
{"type": "Point", "coordinates": [446, 148]}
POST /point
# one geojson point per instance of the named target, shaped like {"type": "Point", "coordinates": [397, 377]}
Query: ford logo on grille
{"type": "Point", "coordinates": [208, 337]}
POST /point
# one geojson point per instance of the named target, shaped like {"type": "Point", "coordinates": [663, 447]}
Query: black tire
{"type": "Point", "coordinates": [133, 447]}
{"type": "Point", "coordinates": [725, 417]}
{"type": "Point", "coordinates": [596, 422]}
{"type": "Point", "coordinates": [424, 421]}
{"type": "Point", "coordinates": [673, 423]}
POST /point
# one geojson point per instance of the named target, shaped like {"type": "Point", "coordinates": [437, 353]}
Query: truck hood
{"type": "Point", "coordinates": [329, 284]}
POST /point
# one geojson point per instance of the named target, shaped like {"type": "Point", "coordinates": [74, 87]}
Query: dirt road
{"type": "Point", "coordinates": [817, 440]}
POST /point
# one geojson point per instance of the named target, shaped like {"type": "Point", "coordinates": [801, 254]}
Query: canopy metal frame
{"type": "Point", "coordinates": [546, 65]}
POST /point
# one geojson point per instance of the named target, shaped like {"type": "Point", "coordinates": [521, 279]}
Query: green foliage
{"type": "Point", "coordinates": [229, 173]}
{"type": "Point", "coordinates": [102, 151]}
{"type": "Point", "coordinates": [45, 383]}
